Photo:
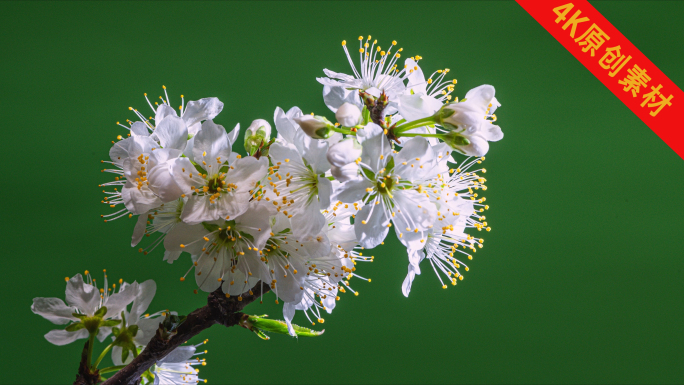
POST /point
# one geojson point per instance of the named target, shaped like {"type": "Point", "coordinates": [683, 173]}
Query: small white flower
{"type": "Point", "coordinates": [145, 324]}
{"type": "Point", "coordinates": [297, 184]}
{"type": "Point", "coordinates": [458, 209]}
{"type": "Point", "coordinates": [472, 119]}
{"type": "Point", "coordinates": [377, 73]}
{"type": "Point", "coordinates": [177, 368]}
{"type": "Point", "coordinates": [218, 248]}
{"type": "Point", "coordinates": [84, 298]}
{"type": "Point", "coordinates": [224, 189]}
{"type": "Point", "coordinates": [390, 190]}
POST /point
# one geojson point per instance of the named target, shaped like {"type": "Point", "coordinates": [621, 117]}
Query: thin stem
{"type": "Point", "coordinates": [343, 130]}
{"type": "Point", "coordinates": [102, 355]}
{"type": "Point", "coordinates": [111, 369]}
{"type": "Point", "coordinates": [91, 342]}
{"type": "Point", "coordinates": [411, 135]}
{"type": "Point", "coordinates": [414, 124]}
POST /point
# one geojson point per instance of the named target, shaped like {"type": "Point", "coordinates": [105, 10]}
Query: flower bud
{"type": "Point", "coordinates": [317, 127]}
{"type": "Point", "coordinates": [344, 152]}
{"type": "Point", "coordinates": [348, 115]}
{"type": "Point", "coordinates": [345, 173]}
{"type": "Point", "coordinates": [257, 133]}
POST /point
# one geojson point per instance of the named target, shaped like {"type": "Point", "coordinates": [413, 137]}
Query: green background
{"type": "Point", "coordinates": [580, 279]}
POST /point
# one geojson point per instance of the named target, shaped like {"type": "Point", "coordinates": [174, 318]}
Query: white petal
{"type": "Point", "coordinates": [199, 209]}
{"type": "Point", "coordinates": [352, 191]}
{"type": "Point", "coordinates": [374, 231]}
{"type": "Point", "coordinates": [406, 285]}
{"type": "Point", "coordinates": [313, 150]}
{"type": "Point", "coordinates": [414, 107]}
{"type": "Point", "coordinates": [203, 109]}
{"type": "Point", "coordinates": [116, 356]}
{"type": "Point", "coordinates": [478, 146]}
{"type": "Point", "coordinates": [211, 140]}
{"type": "Point", "coordinates": [83, 296]}
{"type": "Point", "coordinates": [309, 222]}
{"type": "Point", "coordinates": [288, 314]}
{"type": "Point", "coordinates": [172, 133]}
{"type": "Point", "coordinates": [183, 234]}
{"type": "Point", "coordinates": [140, 129]}
{"type": "Point", "coordinates": [481, 95]}
{"type": "Point", "coordinates": [117, 302]}
{"type": "Point", "coordinates": [139, 229]}
{"type": "Point", "coordinates": [179, 354]}
{"type": "Point", "coordinates": [256, 221]}
{"type": "Point", "coordinates": [208, 271]}
{"type": "Point", "coordinates": [345, 173]}
{"type": "Point", "coordinates": [163, 111]}
{"type": "Point", "coordinates": [53, 310]}
{"type": "Point", "coordinates": [416, 78]}
{"type": "Point", "coordinates": [139, 201]}
{"type": "Point", "coordinates": [286, 126]}
{"type": "Point", "coordinates": [63, 337]}
{"type": "Point", "coordinates": [147, 327]}
{"type": "Point", "coordinates": [143, 297]}
{"type": "Point", "coordinates": [335, 96]}
{"type": "Point", "coordinates": [170, 256]}
{"type": "Point", "coordinates": [233, 135]}
{"type": "Point", "coordinates": [490, 132]}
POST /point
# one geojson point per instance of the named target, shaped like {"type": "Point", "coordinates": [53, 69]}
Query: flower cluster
{"type": "Point", "coordinates": [297, 211]}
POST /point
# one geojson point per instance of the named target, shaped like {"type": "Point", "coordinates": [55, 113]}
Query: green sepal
{"type": "Point", "coordinates": [198, 167]}
{"type": "Point", "coordinates": [101, 312]}
{"type": "Point", "coordinates": [79, 316]}
{"type": "Point", "coordinates": [109, 323]}
{"type": "Point", "coordinates": [133, 329]}
{"type": "Point", "coordinates": [116, 331]}
{"type": "Point", "coordinates": [390, 165]}
{"type": "Point", "coordinates": [75, 327]}
{"type": "Point", "coordinates": [261, 334]}
{"type": "Point", "coordinates": [210, 227]}
{"type": "Point", "coordinates": [124, 354]}
{"type": "Point", "coordinates": [368, 173]}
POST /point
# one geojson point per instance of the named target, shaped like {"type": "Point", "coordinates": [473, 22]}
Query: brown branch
{"type": "Point", "coordinates": [219, 310]}
{"type": "Point", "coordinates": [85, 376]}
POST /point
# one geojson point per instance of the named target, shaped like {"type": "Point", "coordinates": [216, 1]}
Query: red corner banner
{"type": "Point", "coordinates": [616, 62]}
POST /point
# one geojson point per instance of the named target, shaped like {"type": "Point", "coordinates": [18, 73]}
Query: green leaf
{"type": "Point", "coordinates": [75, 327]}
{"type": "Point", "coordinates": [101, 312]}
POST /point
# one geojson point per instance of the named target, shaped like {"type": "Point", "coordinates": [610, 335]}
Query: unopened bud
{"type": "Point", "coordinates": [348, 115]}
{"type": "Point", "coordinates": [344, 152]}
{"type": "Point", "coordinates": [317, 127]}
{"type": "Point", "coordinates": [345, 173]}
{"type": "Point", "coordinates": [257, 133]}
